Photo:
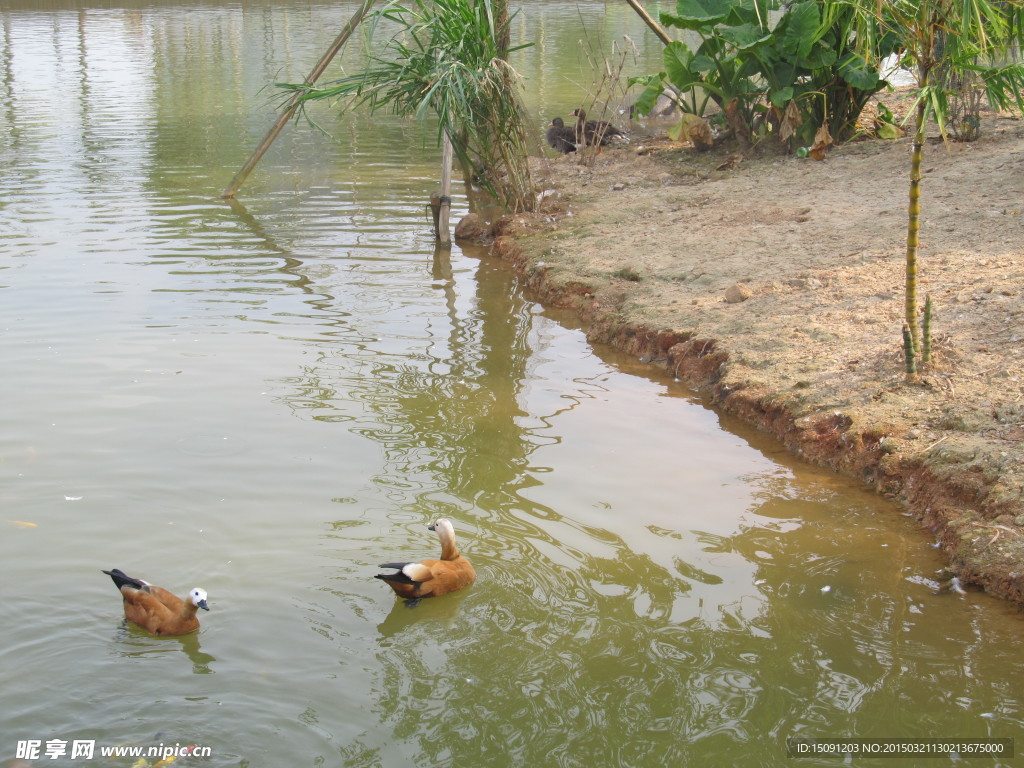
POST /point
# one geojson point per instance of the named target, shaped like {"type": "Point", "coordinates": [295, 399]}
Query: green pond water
{"type": "Point", "coordinates": [269, 398]}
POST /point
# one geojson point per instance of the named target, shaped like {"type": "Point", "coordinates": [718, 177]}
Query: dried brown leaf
{"type": "Point", "coordinates": [694, 129]}
{"type": "Point", "coordinates": [822, 141]}
{"type": "Point", "coordinates": [791, 120]}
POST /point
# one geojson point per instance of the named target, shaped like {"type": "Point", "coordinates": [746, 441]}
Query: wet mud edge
{"type": "Point", "coordinates": [974, 526]}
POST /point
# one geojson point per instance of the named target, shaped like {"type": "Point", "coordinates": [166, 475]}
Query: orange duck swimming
{"type": "Point", "coordinates": [431, 578]}
{"type": "Point", "coordinates": [155, 609]}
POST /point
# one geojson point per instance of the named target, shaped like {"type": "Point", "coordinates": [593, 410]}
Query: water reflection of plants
{"type": "Point", "coordinates": [448, 57]}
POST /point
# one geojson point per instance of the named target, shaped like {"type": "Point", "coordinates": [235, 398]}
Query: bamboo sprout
{"type": "Point", "coordinates": [909, 354]}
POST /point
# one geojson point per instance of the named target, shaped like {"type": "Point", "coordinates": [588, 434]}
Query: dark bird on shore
{"type": "Point", "coordinates": [594, 132]}
{"type": "Point", "coordinates": [562, 137]}
{"type": "Point", "coordinates": [155, 609]}
{"type": "Point", "coordinates": [430, 578]}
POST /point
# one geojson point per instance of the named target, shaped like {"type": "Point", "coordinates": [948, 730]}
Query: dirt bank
{"type": "Point", "coordinates": [777, 285]}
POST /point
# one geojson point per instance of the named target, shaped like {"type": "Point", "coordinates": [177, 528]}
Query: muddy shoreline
{"type": "Point", "coordinates": [774, 285]}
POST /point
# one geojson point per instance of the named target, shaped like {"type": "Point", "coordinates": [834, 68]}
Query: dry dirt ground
{"type": "Point", "coordinates": [776, 284]}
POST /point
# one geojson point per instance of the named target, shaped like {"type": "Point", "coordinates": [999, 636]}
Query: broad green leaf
{"type": "Point", "coordinates": [677, 130]}
{"type": "Point", "coordinates": [745, 36]}
{"type": "Point", "coordinates": [702, 64]}
{"type": "Point", "coordinates": [671, 20]}
{"type": "Point", "coordinates": [782, 96]}
{"type": "Point", "coordinates": [678, 59]}
{"type": "Point", "coordinates": [888, 131]}
{"type": "Point", "coordinates": [645, 103]}
{"type": "Point", "coordinates": [783, 73]}
{"type": "Point", "coordinates": [801, 28]}
{"type": "Point", "coordinates": [744, 12]}
{"type": "Point", "coordinates": [706, 11]}
{"type": "Point", "coordinates": [855, 70]}
{"type": "Point", "coordinates": [820, 57]}
{"type": "Point", "coordinates": [648, 81]}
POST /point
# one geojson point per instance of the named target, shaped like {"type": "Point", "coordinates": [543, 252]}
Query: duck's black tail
{"type": "Point", "coordinates": [398, 578]}
{"type": "Point", "coordinates": [121, 579]}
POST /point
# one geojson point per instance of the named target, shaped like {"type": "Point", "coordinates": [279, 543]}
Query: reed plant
{"type": "Point", "coordinates": [608, 86]}
{"type": "Point", "coordinates": [447, 58]}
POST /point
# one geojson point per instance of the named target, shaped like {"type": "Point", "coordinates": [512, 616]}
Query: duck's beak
{"type": "Point", "coordinates": [202, 604]}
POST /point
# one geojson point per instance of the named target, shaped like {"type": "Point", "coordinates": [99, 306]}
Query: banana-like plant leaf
{"type": "Point", "coordinates": [781, 96]}
{"type": "Point", "coordinates": [702, 64]}
{"type": "Point", "coordinates": [652, 90]}
{"type": "Point", "coordinates": [821, 56]}
{"type": "Point", "coordinates": [679, 65]}
{"type": "Point", "coordinates": [856, 71]}
{"type": "Point", "coordinates": [745, 36]}
{"type": "Point", "coordinates": [802, 29]}
{"type": "Point", "coordinates": [705, 12]}
{"type": "Point", "coordinates": [888, 131]}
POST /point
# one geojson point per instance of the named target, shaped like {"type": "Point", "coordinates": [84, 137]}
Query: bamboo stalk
{"type": "Point", "coordinates": [293, 103]}
{"type": "Point", "coordinates": [914, 223]}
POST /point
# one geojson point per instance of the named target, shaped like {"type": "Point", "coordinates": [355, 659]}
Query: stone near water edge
{"type": "Point", "coordinates": [737, 292]}
{"type": "Point", "coordinates": [472, 227]}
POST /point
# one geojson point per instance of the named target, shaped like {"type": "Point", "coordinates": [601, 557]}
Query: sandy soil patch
{"type": "Point", "coordinates": [777, 284]}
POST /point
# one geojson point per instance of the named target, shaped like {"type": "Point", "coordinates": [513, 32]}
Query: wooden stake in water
{"type": "Point", "coordinates": [293, 103]}
{"type": "Point", "coordinates": [443, 235]}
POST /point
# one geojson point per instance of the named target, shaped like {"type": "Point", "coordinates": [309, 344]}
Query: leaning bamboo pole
{"type": "Point", "coordinates": [656, 28]}
{"type": "Point", "coordinates": [293, 103]}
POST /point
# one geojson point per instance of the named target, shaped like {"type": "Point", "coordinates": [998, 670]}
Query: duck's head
{"type": "Point", "coordinates": [443, 526]}
{"type": "Point", "coordinates": [198, 598]}
{"type": "Point", "coordinates": [558, 123]}
{"type": "Point", "coordinates": [446, 533]}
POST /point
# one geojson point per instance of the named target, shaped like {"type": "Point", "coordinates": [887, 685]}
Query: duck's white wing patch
{"type": "Point", "coordinates": [417, 571]}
